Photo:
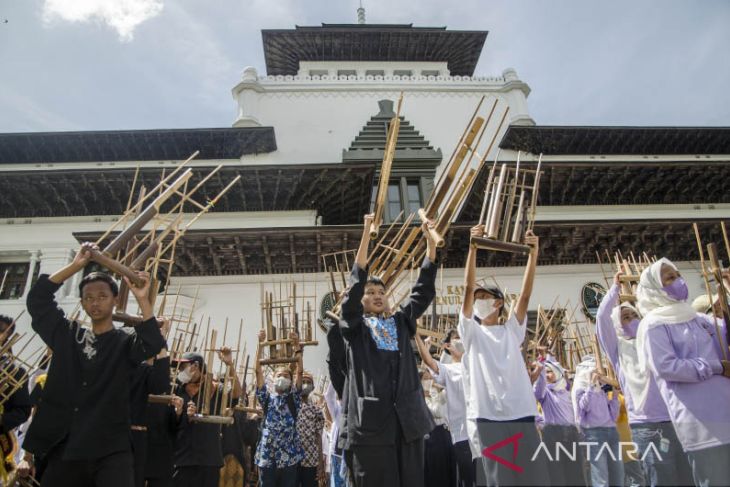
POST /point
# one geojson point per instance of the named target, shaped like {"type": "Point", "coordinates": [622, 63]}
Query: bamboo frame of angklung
{"type": "Point", "coordinates": [715, 271]}
{"type": "Point", "coordinates": [11, 362]}
{"type": "Point", "coordinates": [208, 391]}
{"type": "Point", "coordinates": [280, 315]}
{"type": "Point", "coordinates": [144, 212]}
{"type": "Point", "coordinates": [461, 176]}
{"type": "Point", "coordinates": [509, 206]}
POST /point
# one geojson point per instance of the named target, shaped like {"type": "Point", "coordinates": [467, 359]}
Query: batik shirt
{"type": "Point", "coordinates": [310, 422]}
{"type": "Point", "coordinates": [383, 331]}
{"type": "Point", "coordinates": [279, 446]}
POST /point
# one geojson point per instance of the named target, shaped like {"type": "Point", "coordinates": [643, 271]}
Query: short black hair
{"type": "Point", "coordinates": [375, 281]}
{"type": "Point", "coordinates": [96, 277]}
{"type": "Point", "coordinates": [6, 319]}
{"type": "Point", "coordinates": [450, 335]}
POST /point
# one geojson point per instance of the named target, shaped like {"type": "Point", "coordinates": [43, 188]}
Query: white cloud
{"type": "Point", "coordinates": [122, 15]}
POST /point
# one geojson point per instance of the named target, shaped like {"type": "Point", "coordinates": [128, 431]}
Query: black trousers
{"type": "Point", "coordinates": [565, 472]}
{"type": "Point", "coordinates": [507, 467]}
{"type": "Point", "coordinates": [307, 477]}
{"type": "Point", "coordinates": [139, 451]}
{"type": "Point", "coordinates": [397, 465]}
{"type": "Point", "coordinates": [439, 467]}
{"type": "Point", "coordinates": [115, 470]}
{"type": "Point", "coordinates": [196, 476]}
{"type": "Point", "coordinates": [465, 466]}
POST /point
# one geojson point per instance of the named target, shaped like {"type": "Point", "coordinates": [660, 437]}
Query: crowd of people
{"type": "Point", "coordinates": [392, 414]}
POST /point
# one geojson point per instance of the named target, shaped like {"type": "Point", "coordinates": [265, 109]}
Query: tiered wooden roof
{"type": "Point", "coordinates": [285, 48]}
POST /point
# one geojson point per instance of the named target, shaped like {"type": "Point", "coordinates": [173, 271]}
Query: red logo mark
{"type": "Point", "coordinates": [514, 439]}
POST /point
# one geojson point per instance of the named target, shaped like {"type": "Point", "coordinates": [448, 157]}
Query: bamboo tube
{"type": "Point", "coordinates": [517, 232]}
{"type": "Point", "coordinates": [495, 204]}
{"type": "Point", "coordinates": [721, 293]}
{"type": "Point", "coordinates": [150, 212]}
{"type": "Point", "coordinates": [116, 267]}
{"type": "Point", "coordinates": [487, 189]}
{"type": "Point", "coordinates": [498, 245]}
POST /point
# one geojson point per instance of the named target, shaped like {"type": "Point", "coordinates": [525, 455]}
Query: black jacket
{"type": "Point", "coordinates": [383, 388]}
{"type": "Point", "coordinates": [337, 357]}
{"type": "Point", "coordinates": [86, 396]}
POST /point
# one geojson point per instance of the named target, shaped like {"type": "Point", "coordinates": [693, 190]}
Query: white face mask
{"type": "Point", "coordinates": [282, 384]}
{"type": "Point", "coordinates": [484, 308]}
{"type": "Point", "coordinates": [307, 388]}
{"type": "Point", "coordinates": [458, 345]}
{"type": "Point", "coordinates": [184, 376]}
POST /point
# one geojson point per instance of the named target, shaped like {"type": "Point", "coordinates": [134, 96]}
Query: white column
{"type": "Point", "coordinates": [31, 271]}
{"type": "Point", "coordinates": [53, 259]}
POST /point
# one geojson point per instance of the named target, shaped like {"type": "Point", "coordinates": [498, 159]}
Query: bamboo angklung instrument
{"type": "Point", "coordinates": [168, 222]}
{"type": "Point", "coordinates": [505, 212]}
{"type": "Point", "coordinates": [384, 180]}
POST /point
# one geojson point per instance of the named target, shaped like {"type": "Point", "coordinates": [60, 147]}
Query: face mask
{"type": "Point", "coordinates": [282, 384]}
{"type": "Point", "coordinates": [427, 385]}
{"type": "Point", "coordinates": [458, 345]}
{"type": "Point", "coordinates": [483, 308]}
{"type": "Point", "coordinates": [184, 376]}
{"type": "Point", "coordinates": [677, 290]}
{"type": "Point", "coordinates": [631, 328]}
{"type": "Point", "coordinates": [307, 388]}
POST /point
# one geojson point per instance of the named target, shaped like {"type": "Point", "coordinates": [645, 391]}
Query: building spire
{"type": "Point", "coordinates": [361, 14]}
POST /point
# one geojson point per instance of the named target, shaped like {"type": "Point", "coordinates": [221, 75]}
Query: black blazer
{"type": "Point", "coordinates": [383, 389]}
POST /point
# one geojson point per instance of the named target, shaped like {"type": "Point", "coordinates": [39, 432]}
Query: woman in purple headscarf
{"type": "Point", "coordinates": [651, 426]}
{"type": "Point", "coordinates": [687, 355]}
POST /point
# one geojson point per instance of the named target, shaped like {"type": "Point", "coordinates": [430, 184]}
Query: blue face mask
{"type": "Point", "coordinates": [631, 328]}
{"type": "Point", "coordinates": [677, 290]}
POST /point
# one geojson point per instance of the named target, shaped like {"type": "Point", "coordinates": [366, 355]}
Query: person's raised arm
{"type": "Point", "coordinates": [425, 356]}
{"type": "Point", "coordinates": [351, 307]}
{"type": "Point", "coordinates": [528, 280]}
{"type": "Point", "coordinates": [147, 340]}
{"type": "Point", "coordinates": [470, 275]}
{"type": "Point", "coordinates": [605, 330]}
{"type": "Point", "coordinates": [361, 259]}
{"type": "Point", "coordinates": [257, 361]}
{"type": "Point", "coordinates": [299, 353]}
{"type": "Point", "coordinates": [82, 258]}
{"type": "Point", "coordinates": [424, 290]}
{"type": "Point", "coordinates": [226, 356]}
{"type": "Point", "coordinates": [47, 318]}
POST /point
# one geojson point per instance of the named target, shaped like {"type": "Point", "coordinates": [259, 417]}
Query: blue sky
{"type": "Point", "coordinates": [138, 64]}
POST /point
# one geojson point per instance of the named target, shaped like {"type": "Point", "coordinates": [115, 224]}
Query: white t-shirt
{"type": "Point", "coordinates": [496, 381]}
{"type": "Point", "coordinates": [450, 376]}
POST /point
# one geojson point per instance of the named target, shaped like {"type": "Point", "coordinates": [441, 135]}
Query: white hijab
{"type": "Point", "coordinates": [582, 380]}
{"type": "Point", "coordinates": [657, 306]}
{"type": "Point", "coordinates": [560, 383]}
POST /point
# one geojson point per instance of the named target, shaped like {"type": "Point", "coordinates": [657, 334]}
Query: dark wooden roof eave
{"type": "Point", "coordinates": [254, 251]}
{"type": "Point", "coordinates": [617, 140]}
{"type": "Point", "coordinates": [340, 193]}
{"type": "Point", "coordinates": [134, 145]}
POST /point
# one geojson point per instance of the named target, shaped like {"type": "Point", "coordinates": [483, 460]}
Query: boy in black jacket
{"type": "Point", "coordinates": [385, 415]}
{"type": "Point", "coordinates": [83, 425]}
